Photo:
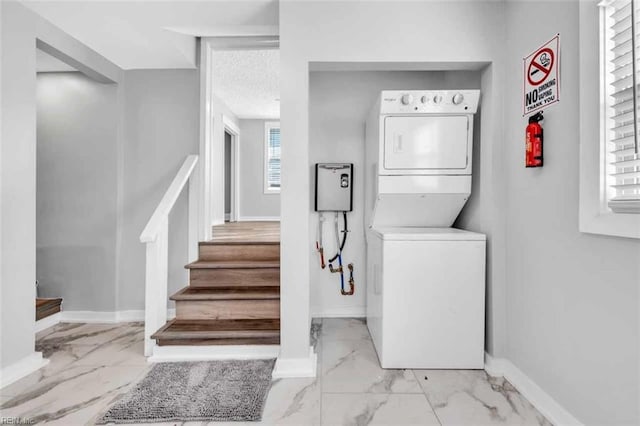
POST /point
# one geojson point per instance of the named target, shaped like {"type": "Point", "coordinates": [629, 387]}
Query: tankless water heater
{"type": "Point", "coordinates": [334, 187]}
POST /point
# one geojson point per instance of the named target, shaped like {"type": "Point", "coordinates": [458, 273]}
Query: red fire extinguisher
{"type": "Point", "coordinates": [533, 156]}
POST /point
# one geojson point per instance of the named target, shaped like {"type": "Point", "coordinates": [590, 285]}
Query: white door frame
{"type": "Point", "coordinates": [231, 128]}
{"type": "Point", "coordinates": [210, 179]}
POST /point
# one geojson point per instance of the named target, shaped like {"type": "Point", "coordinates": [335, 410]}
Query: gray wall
{"type": "Point", "coordinates": [253, 201]}
{"type": "Point", "coordinates": [338, 106]}
{"type": "Point", "coordinates": [158, 112]}
{"type": "Point", "coordinates": [19, 29]}
{"type": "Point", "coordinates": [485, 210]}
{"type": "Point", "coordinates": [160, 128]}
{"type": "Point", "coordinates": [76, 190]}
{"type": "Point", "coordinates": [18, 180]}
{"type": "Point", "coordinates": [572, 298]}
{"type": "Point", "coordinates": [159, 115]}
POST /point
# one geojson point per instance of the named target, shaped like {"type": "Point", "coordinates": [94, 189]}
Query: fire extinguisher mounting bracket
{"type": "Point", "coordinates": [536, 118]}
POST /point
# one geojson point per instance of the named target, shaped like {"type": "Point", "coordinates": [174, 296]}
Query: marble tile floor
{"type": "Point", "coordinates": [92, 364]}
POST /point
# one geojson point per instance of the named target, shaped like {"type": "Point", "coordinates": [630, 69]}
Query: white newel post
{"type": "Point", "coordinates": [155, 315]}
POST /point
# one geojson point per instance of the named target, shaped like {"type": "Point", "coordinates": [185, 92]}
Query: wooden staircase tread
{"type": "Point", "coordinates": [242, 341]}
{"type": "Point", "coordinates": [233, 296]}
{"type": "Point", "coordinates": [247, 231]}
{"type": "Point", "coordinates": [42, 302]}
{"type": "Point", "coordinates": [170, 334]}
{"type": "Point", "coordinates": [239, 264]}
{"type": "Point", "coordinates": [237, 324]}
{"type": "Point", "coordinates": [218, 329]}
{"type": "Point", "coordinates": [228, 293]}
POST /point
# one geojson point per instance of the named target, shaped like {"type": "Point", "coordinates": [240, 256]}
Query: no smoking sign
{"type": "Point", "coordinates": [542, 77]}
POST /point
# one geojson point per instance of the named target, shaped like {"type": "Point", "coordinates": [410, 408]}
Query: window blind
{"type": "Point", "coordinates": [622, 88]}
{"type": "Point", "coordinates": [273, 158]}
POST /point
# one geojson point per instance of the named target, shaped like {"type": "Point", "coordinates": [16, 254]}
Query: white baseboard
{"type": "Point", "coordinates": [22, 368]}
{"type": "Point", "coordinates": [259, 219]}
{"type": "Point", "coordinates": [296, 367]}
{"type": "Point", "coordinates": [102, 316]}
{"type": "Point", "coordinates": [550, 408]}
{"type": "Point", "coordinates": [345, 312]}
{"type": "Point", "coordinates": [47, 322]}
{"type": "Point", "coordinates": [108, 317]}
{"type": "Point", "coordinates": [212, 353]}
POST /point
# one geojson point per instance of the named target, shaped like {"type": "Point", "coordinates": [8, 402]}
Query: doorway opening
{"type": "Point", "coordinates": [243, 93]}
{"type": "Point", "coordinates": [227, 176]}
{"type": "Point", "coordinates": [231, 170]}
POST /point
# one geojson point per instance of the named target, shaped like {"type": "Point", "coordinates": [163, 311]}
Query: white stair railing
{"type": "Point", "coordinates": [156, 236]}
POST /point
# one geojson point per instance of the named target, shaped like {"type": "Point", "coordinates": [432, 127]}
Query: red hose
{"type": "Point", "coordinates": [321, 250]}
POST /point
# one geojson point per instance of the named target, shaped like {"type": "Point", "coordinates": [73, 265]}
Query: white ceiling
{"type": "Point", "coordinates": [248, 81]}
{"type": "Point", "coordinates": [47, 63]}
{"type": "Point", "coordinates": [155, 34]}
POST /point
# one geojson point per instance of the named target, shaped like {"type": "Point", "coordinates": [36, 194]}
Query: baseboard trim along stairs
{"type": "Point", "coordinates": [550, 408]}
{"type": "Point", "coordinates": [213, 353]}
{"type": "Point", "coordinates": [340, 312]}
{"type": "Point", "coordinates": [100, 317]}
{"type": "Point", "coordinates": [47, 322]}
{"type": "Point", "coordinates": [296, 367]}
{"type": "Point", "coordinates": [284, 368]}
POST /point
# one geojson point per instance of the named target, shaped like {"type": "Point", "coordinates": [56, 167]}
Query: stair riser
{"type": "Point", "coordinates": [230, 277]}
{"type": "Point", "coordinates": [253, 296]}
{"type": "Point", "coordinates": [227, 309]}
{"type": "Point", "coordinates": [220, 334]}
{"type": "Point", "coordinates": [234, 252]}
{"type": "Point", "coordinates": [47, 306]}
{"type": "Point", "coordinates": [218, 342]}
{"type": "Point", "coordinates": [47, 312]}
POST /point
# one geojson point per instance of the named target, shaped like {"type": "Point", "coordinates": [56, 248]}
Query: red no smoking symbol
{"type": "Point", "coordinates": [540, 66]}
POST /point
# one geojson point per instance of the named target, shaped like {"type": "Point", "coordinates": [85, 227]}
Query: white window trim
{"type": "Point", "coordinates": [595, 217]}
{"type": "Point", "coordinates": [268, 125]}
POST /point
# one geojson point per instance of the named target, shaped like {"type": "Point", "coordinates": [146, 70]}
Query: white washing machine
{"type": "Point", "coordinates": [425, 280]}
{"type": "Point", "coordinates": [425, 297]}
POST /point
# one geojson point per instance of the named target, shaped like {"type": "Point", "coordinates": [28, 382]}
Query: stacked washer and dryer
{"type": "Point", "coordinates": [425, 279]}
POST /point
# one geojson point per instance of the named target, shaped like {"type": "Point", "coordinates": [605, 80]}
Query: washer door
{"type": "Point", "coordinates": [434, 142]}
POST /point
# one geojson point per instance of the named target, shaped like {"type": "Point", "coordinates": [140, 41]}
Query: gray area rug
{"type": "Point", "coordinates": [196, 391]}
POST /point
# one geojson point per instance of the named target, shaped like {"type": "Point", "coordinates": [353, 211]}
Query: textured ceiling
{"type": "Point", "coordinates": [248, 81]}
{"type": "Point", "coordinates": [155, 34]}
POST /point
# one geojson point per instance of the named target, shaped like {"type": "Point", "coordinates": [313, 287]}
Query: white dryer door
{"type": "Point", "coordinates": [439, 142]}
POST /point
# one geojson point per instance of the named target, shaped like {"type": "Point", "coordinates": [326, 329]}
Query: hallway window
{"type": "Point", "coordinates": [620, 67]}
{"type": "Point", "coordinates": [272, 158]}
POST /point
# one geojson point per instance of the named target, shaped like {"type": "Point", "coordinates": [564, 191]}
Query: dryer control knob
{"type": "Point", "coordinates": [437, 99]}
{"type": "Point", "coordinates": [424, 99]}
{"type": "Point", "coordinates": [406, 99]}
{"type": "Point", "coordinates": [457, 99]}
